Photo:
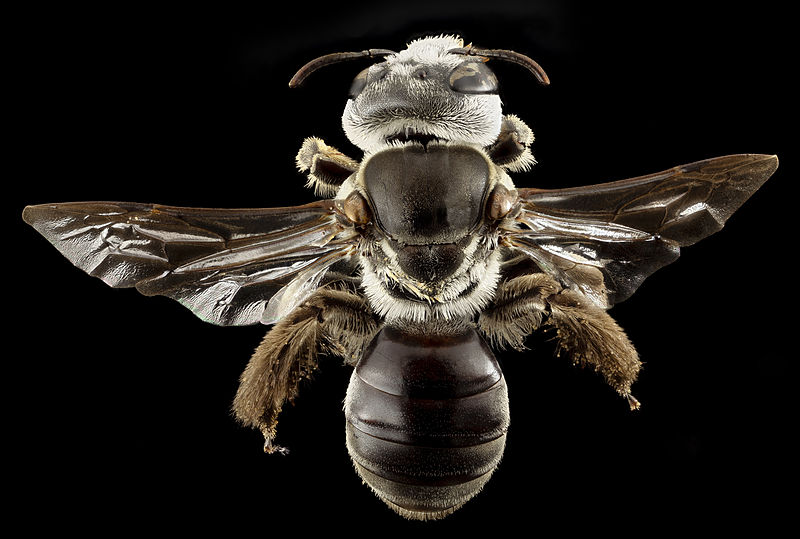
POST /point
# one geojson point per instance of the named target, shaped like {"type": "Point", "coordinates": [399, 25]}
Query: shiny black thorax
{"type": "Point", "coordinates": [427, 200]}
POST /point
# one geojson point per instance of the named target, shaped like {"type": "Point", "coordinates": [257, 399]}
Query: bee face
{"type": "Point", "coordinates": [424, 93]}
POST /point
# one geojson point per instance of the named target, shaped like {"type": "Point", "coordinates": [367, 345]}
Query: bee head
{"type": "Point", "coordinates": [436, 89]}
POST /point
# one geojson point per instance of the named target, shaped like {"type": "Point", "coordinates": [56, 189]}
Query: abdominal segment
{"type": "Point", "coordinates": [427, 416]}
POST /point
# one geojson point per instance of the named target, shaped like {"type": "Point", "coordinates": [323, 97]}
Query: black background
{"type": "Point", "coordinates": [118, 405]}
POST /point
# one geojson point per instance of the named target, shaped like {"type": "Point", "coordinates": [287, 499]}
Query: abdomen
{"type": "Point", "coordinates": [427, 417]}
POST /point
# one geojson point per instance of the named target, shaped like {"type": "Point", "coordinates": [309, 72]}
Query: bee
{"type": "Point", "coordinates": [416, 262]}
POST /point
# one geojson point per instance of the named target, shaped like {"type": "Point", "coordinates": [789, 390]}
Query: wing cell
{"type": "Point", "coordinates": [605, 240]}
{"type": "Point", "coordinates": [224, 265]}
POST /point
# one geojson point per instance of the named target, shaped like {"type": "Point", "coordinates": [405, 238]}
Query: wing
{"type": "Point", "coordinates": [605, 239]}
{"type": "Point", "coordinates": [230, 267]}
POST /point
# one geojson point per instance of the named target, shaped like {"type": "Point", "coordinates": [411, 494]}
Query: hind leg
{"type": "Point", "coordinates": [584, 331]}
{"type": "Point", "coordinates": [330, 321]}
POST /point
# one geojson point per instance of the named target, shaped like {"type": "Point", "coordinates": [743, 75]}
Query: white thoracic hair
{"type": "Point", "coordinates": [463, 294]}
{"type": "Point", "coordinates": [466, 294]}
{"type": "Point", "coordinates": [397, 100]}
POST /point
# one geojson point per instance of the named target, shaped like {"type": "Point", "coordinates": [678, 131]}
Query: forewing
{"type": "Point", "coordinates": [683, 204]}
{"type": "Point", "coordinates": [223, 264]}
{"type": "Point", "coordinates": [605, 239]}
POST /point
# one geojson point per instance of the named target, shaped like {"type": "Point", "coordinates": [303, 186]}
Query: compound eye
{"type": "Point", "coordinates": [358, 84]}
{"type": "Point", "coordinates": [473, 78]}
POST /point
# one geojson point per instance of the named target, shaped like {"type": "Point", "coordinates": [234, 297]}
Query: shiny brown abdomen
{"type": "Point", "coordinates": [427, 417]}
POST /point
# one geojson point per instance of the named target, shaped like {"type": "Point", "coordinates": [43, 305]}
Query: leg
{"type": "Point", "coordinates": [326, 166]}
{"type": "Point", "coordinates": [518, 309]}
{"type": "Point", "coordinates": [593, 338]}
{"type": "Point", "coordinates": [511, 150]}
{"type": "Point", "coordinates": [586, 332]}
{"type": "Point", "coordinates": [330, 321]}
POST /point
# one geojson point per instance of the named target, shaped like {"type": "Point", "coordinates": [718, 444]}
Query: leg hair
{"type": "Point", "coordinates": [511, 150]}
{"type": "Point", "coordinates": [517, 310]}
{"type": "Point", "coordinates": [332, 321]}
{"type": "Point", "coordinates": [325, 166]}
{"type": "Point", "coordinates": [592, 337]}
{"type": "Point", "coordinates": [586, 332]}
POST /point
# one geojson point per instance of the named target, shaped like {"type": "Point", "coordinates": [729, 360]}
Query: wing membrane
{"type": "Point", "coordinates": [224, 265]}
{"type": "Point", "coordinates": [605, 261]}
{"type": "Point", "coordinates": [684, 204]}
{"type": "Point", "coordinates": [605, 239]}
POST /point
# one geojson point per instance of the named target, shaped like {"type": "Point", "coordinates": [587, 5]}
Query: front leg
{"type": "Point", "coordinates": [326, 166]}
{"type": "Point", "coordinates": [584, 331]}
{"type": "Point", "coordinates": [330, 321]}
{"type": "Point", "coordinates": [511, 150]}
